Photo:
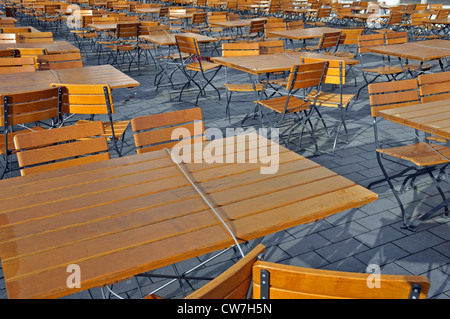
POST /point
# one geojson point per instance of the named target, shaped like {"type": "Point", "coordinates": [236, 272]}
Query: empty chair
{"type": "Point", "coordinates": [61, 147]}
{"type": "Point", "coordinates": [417, 158]}
{"type": "Point", "coordinates": [7, 38]}
{"type": "Point", "coordinates": [348, 39]}
{"type": "Point", "coordinates": [26, 109]}
{"type": "Point", "coordinates": [240, 49]}
{"type": "Point", "coordinates": [273, 26]}
{"type": "Point", "coordinates": [31, 37]}
{"type": "Point", "coordinates": [155, 132]}
{"type": "Point", "coordinates": [93, 99]}
{"type": "Point", "coordinates": [393, 23]}
{"type": "Point", "coordinates": [329, 42]}
{"type": "Point", "coordinates": [59, 61]}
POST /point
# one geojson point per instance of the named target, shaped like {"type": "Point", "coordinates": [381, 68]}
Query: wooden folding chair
{"type": "Point", "coordinates": [349, 38]}
{"type": "Point", "coordinates": [381, 69]}
{"type": "Point", "coordinates": [125, 41]}
{"type": "Point", "coordinates": [35, 37]}
{"type": "Point", "coordinates": [329, 42]}
{"type": "Point", "coordinates": [240, 49]}
{"type": "Point", "coordinates": [59, 61]}
{"type": "Point", "coordinates": [273, 26]}
{"type": "Point", "coordinates": [335, 76]}
{"type": "Point", "coordinates": [195, 64]}
{"type": "Point", "coordinates": [61, 147]}
{"type": "Point", "coordinates": [8, 38]}
{"type": "Point", "coordinates": [393, 23]}
{"type": "Point", "coordinates": [93, 99]}
{"type": "Point", "coordinates": [20, 113]}
{"type": "Point", "coordinates": [419, 157]}
{"type": "Point", "coordinates": [156, 131]}
{"type": "Point", "coordinates": [303, 78]}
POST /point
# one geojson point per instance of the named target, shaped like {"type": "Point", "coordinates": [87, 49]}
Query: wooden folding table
{"type": "Point", "coordinates": [117, 218]}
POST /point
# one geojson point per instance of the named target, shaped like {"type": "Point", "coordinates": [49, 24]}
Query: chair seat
{"type": "Point", "coordinates": [385, 70]}
{"type": "Point", "coordinates": [11, 138]}
{"type": "Point", "coordinates": [119, 128]}
{"type": "Point", "coordinates": [277, 104]}
{"type": "Point", "coordinates": [89, 35]}
{"type": "Point", "coordinates": [342, 54]}
{"type": "Point", "coordinates": [331, 99]}
{"type": "Point", "coordinates": [421, 154]}
{"type": "Point", "coordinates": [121, 47]}
{"type": "Point", "coordinates": [243, 87]}
{"type": "Point", "coordinates": [147, 46]}
{"type": "Point", "coordinates": [195, 66]}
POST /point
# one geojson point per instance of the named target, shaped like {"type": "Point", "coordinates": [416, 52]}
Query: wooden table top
{"type": "Point", "coordinates": [301, 34]}
{"type": "Point", "coordinates": [169, 38]}
{"type": "Point", "coordinates": [52, 47]}
{"type": "Point", "coordinates": [270, 63]}
{"type": "Point", "coordinates": [420, 50]}
{"type": "Point", "coordinates": [108, 26]}
{"type": "Point", "coordinates": [430, 117]}
{"type": "Point", "coordinates": [97, 74]}
{"type": "Point", "coordinates": [235, 23]}
{"type": "Point", "coordinates": [124, 216]}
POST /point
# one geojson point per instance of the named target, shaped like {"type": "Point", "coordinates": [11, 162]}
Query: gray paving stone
{"type": "Point", "coordinates": [341, 250]}
{"type": "Point", "coordinates": [381, 255]}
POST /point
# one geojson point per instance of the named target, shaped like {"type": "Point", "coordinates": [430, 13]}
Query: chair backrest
{"type": "Point", "coordinates": [350, 36]}
{"type": "Point", "coordinates": [240, 49]}
{"type": "Point", "coordinates": [304, 76]}
{"type": "Point", "coordinates": [271, 46]}
{"type": "Point", "coordinates": [86, 98]}
{"type": "Point", "coordinates": [216, 18]}
{"type": "Point", "coordinates": [395, 18]}
{"type": "Point", "coordinates": [154, 132]}
{"type": "Point", "coordinates": [187, 44]}
{"type": "Point", "coordinates": [59, 61]}
{"type": "Point", "coordinates": [323, 13]}
{"type": "Point", "coordinates": [199, 18]}
{"type": "Point", "coordinates": [8, 53]}
{"type": "Point", "coordinates": [297, 24]}
{"type": "Point", "coordinates": [160, 29]}
{"type": "Point", "coordinates": [334, 72]}
{"type": "Point", "coordinates": [421, 6]}
{"type": "Point", "coordinates": [396, 37]}
{"type": "Point", "coordinates": [443, 14]}
{"type": "Point", "coordinates": [104, 20]}
{"type": "Point", "coordinates": [29, 107]}
{"type": "Point", "coordinates": [17, 65]}
{"type": "Point", "coordinates": [61, 147]}
{"type": "Point", "coordinates": [256, 26]}
{"type": "Point", "coordinates": [31, 52]}
{"type": "Point", "coordinates": [293, 282]}
{"type": "Point", "coordinates": [234, 283]}
{"type": "Point", "coordinates": [393, 94]}
{"type": "Point", "coordinates": [369, 40]}
{"type": "Point", "coordinates": [30, 37]}
{"type": "Point", "coordinates": [163, 11]}
{"type": "Point", "coordinates": [434, 86]}
{"type": "Point", "coordinates": [274, 26]}
{"type": "Point", "coordinates": [127, 30]}
{"type": "Point", "coordinates": [436, 6]}
{"type": "Point", "coordinates": [330, 40]}
{"type": "Point", "coordinates": [8, 38]}
{"type": "Point", "coordinates": [15, 30]}
{"type": "Point", "coordinates": [143, 26]}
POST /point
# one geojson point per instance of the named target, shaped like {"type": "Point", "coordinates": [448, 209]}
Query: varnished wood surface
{"type": "Point", "coordinates": [420, 50]}
{"type": "Point", "coordinates": [431, 117]}
{"type": "Point", "coordinates": [270, 63]}
{"type": "Point", "coordinates": [52, 47]}
{"type": "Point", "coordinates": [301, 34]}
{"type": "Point", "coordinates": [169, 38]}
{"type": "Point", "coordinates": [127, 215]}
{"type": "Point", "coordinates": [97, 74]}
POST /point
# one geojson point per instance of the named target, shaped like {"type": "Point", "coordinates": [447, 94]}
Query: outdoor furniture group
{"type": "Point", "coordinates": [116, 218]}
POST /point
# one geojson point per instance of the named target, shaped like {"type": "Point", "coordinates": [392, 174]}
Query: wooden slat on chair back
{"type": "Point", "coordinates": [256, 26]}
{"type": "Point", "coordinates": [59, 61]}
{"type": "Point", "coordinates": [396, 37]}
{"type": "Point", "coordinates": [85, 98]}
{"type": "Point", "coordinates": [31, 37]}
{"type": "Point", "coordinates": [61, 147]}
{"type": "Point", "coordinates": [330, 39]}
{"type": "Point", "coordinates": [393, 94]}
{"type": "Point", "coordinates": [32, 106]}
{"type": "Point", "coordinates": [334, 72]}
{"type": "Point", "coordinates": [369, 40]}
{"type": "Point", "coordinates": [8, 53]}
{"type": "Point", "coordinates": [160, 29]}
{"type": "Point", "coordinates": [350, 36]}
{"type": "Point", "coordinates": [154, 132]}
{"type": "Point", "coordinates": [271, 46]}
{"type": "Point", "coordinates": [292, 282]}
{"type": "Point", "coordinates": [8, 38]}
{"type": "Point", "coordinates": [306, 75]}
{"type": "Point", "coordinates": [234, 283]}
{"type": "Point", "coordinates": [187, 44]}
{"type": "Point", "coordinates": [15, 30]}
{"type": "Point", "coordinates": [17, 65]}
{"type": "Point", "coordinates": [240, 49]}
{"type": "Point", "coordinates": [143, 26]}
{"type": "Point", "coordinates": [127, 30]}
{"type": "Point", "coordinates": [199, 17]}
{"type": "Point", "coordinates": [274, 26]}
{"type": "Point", "coordinates": [434, 86]}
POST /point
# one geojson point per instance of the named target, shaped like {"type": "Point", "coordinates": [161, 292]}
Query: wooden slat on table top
{"type": "Point", "coordinates": [132, 214]}
{"type": "Point", "coordinates": [300, 34]}
{"type": "Point", "coordinates": [420, 50]}
{"type": "Point", "coordinates": [52, 47]}
{"type": "Point", "coordinates": [429, 117]}
{"type": "Point", "coordinates": [97, 74]}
